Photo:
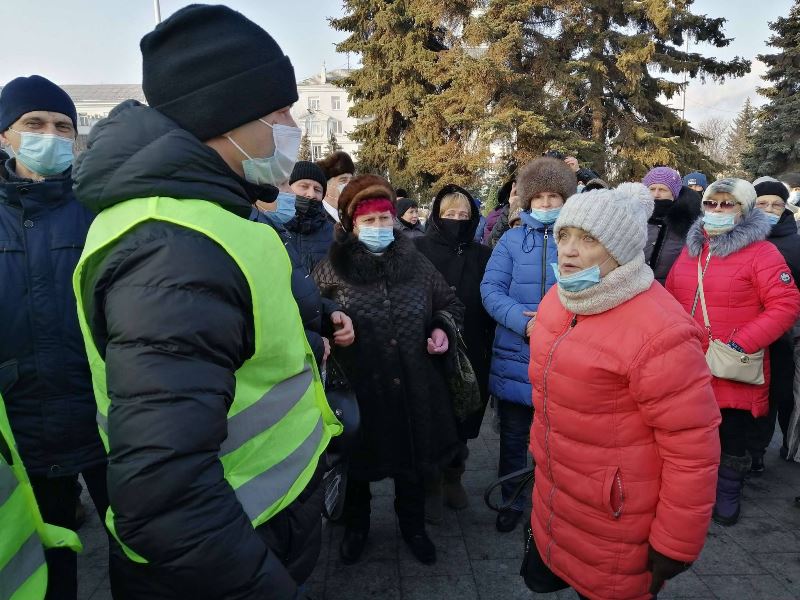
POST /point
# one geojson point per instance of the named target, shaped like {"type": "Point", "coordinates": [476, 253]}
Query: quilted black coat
{"type": "Point", "coordinates": [407, 422]}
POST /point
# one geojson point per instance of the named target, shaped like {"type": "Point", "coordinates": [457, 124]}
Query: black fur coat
{"type": "Point", "coordinates": [407, 423]}
{"type": "Point", "coordinates": [666, 234]}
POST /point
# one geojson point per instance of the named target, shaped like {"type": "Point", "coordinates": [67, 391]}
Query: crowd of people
{"type": "Point", "coordinates": [177, 297]}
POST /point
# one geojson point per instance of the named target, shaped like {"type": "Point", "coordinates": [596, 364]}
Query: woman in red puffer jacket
{"type": "Point", "coordinates": [625, 424]}
{"type": "Point", "coordinates": [751, 299]}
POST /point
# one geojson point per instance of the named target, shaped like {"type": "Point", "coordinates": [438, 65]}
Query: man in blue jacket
{"type": "Point", "coordinates": [42, 231]}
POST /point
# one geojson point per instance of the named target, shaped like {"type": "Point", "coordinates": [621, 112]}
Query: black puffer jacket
{"type": "Point", "coordinates": [462, 261]}
{"type": "Point", "coordinates": [407, 421]}
{"type": "Point", "coordinates": [172, 315]}
{"type": "Point", "coordinates": [787, 240]}
{"type": "Point", "coordinates": [666, 232]}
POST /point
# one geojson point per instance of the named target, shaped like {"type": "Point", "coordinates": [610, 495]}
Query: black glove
{"type": "Point", "coordinates": [663, 568]}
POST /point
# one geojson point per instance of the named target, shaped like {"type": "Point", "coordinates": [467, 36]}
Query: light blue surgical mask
{"type": "Point", "coordinates": [772, 218]}
{"type": "Point", "coordinates": [376, 239]}
{"type": "Point", "coordinates": [794, 197]}
{"type": "Point", "coordinates": [718, 222]}
{"type": "Point", "coordinates": [284, 211]}
{"type": "Point", "coordinates": [577, 282]}
{"type": "Point", "coordinates": [546, 217]}
{"type": "Point", "coordinates": [275, 169]}
{"type": "Point", "coordinates": [45, 154]}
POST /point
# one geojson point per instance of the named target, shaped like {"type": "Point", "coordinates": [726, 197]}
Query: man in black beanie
{"type": "Point", "coordinates": [207, 393]}
{"type": "Point", "coordinates": [311, 228]}
{"type": "Point", "coordinates": [48, 396]}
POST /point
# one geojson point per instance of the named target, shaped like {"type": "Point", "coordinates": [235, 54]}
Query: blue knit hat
{"type": "Point", "coordinates": [27, 94]}
{"type": "Point", "coordinates": [696, 178]}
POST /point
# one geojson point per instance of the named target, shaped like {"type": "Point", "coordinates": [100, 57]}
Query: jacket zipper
{"type": "Point", "coordinates": [544, 265]}
{"type": "Point", "coordinates": [572, 323]}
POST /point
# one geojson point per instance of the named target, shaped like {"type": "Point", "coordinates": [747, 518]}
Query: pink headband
{"type": "Point", "coordinates": [373, 205]}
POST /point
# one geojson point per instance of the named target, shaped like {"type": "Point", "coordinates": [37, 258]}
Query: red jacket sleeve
{"type": "Point", "coordinates": [779, 297]}
{"type": "Point", "coordinates": [672, 384]}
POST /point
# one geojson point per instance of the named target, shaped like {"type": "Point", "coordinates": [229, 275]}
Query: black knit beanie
{"type": "Point", "coordinates": [210, 69]}
{"type": "Point", "coordinates": [404, 204]}
{"type": "Point", "coordinates": [772, 188]}
{"type": "Point", "coordinates": [305, 169]}
{"type": "Point", "coordinates": [27, 94]}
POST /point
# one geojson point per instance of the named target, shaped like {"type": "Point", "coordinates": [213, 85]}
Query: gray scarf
{"type": "Point", "coordinates": [616, 288]}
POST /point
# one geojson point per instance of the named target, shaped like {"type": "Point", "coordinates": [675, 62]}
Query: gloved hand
{"type": "Point", "coordinates": [663, 568]}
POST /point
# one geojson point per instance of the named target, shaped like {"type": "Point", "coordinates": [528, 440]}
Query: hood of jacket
{"type": "Point", "coordinates": [138, 153]}
{"type": "Point", "coordinates": [355, 264]}
{"type": "Point", "coordinates": [753, 227]}
{"type": "Point", "coordinates": [434, 228]}
{"type": "Point", "coordinates": [684, 212]}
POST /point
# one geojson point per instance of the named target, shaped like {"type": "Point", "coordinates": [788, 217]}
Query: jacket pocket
{"type": "Point", "coordinates": [10, 246]}
{"type": "Point", "coordinates": [614, 491]}
{"type": "Point", "coordinates": [68, 242]}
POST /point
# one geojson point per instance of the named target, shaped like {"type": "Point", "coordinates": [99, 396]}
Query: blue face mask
{"type": "Point", "coordinates": [718, 222]}
{"type": "Point", "coordinates": [546, 217]}
{"type": "Point", "coordinates": [577, 282]}
{"type": "Point", "coordinates": [275, 169]}
{"type": "Point", "coordinates": [794, 198]}
{"type": "Point", "coordinates": [376, 239]}
{"type": "Point", "coordinates": [284, 211]}
{"type": "Point", "coordinates": [43, 153]}
{"type": "Point", "coordinates": [772, 218]}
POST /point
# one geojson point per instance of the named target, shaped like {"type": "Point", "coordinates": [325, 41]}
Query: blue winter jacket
{"type": "Point", "coordinates": [517, 277]}
{"type": "Point", "coordinates": [43, 366]}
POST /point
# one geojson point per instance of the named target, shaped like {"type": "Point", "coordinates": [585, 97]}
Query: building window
{"type": "Point", "coordinates": [313, 103]}
{"type": "Point", "coordinates": [84, 120]}
{"type": "Point", "coordinates": [336, 103]}
{"type": "Point", "coordinates": [316, 129]}
{"type": "Point", "coordinates": [335, 127]}
{"type": "Point", "coordinates": [316, 151]}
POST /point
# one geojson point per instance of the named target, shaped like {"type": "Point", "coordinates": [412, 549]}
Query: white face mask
{"type": "Point", "coordinates": [276, 169]}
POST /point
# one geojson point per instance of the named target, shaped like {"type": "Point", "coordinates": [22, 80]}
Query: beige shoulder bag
{"type": "Point", "coordinates": [724, 361]}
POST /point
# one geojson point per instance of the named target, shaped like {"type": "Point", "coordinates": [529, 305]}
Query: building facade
{"type": "Point", "coordinates": [323, 109]}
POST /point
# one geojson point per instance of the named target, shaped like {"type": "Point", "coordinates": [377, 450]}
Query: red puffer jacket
{"type": "Point", "coordinates": [750, 293]}
{"type": "Point", "coordinates": [625, 442]}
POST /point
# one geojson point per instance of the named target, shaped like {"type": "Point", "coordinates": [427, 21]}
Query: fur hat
{"type": "Point", "coordinates": [616, 218]}
{"type": "Point", "coordinates": [337, 164]}
{"type": "Point", "coordinates": [665, 176]}
{"type": "Point", "coordinates": [742, 191]}
{"type": "Point", "coordinates": [545, 175]}
{"type": "Point", "coordinates": [363, 187]}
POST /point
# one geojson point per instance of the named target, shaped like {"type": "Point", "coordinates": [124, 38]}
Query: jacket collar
{"type": "Point", "coordinates": [753, 227]}
{"type": "Point", "coordinates": [786, 226]}
{"type": "Point", "coordinates": [49, 192]}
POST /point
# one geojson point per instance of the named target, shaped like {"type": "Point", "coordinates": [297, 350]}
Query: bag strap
{"type": "Point", "coordinates": [701, 293]}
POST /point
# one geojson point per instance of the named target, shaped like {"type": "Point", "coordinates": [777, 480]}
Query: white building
{"type": "Point", "coordinates": [323, 109]}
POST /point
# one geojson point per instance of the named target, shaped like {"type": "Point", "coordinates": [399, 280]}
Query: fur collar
{"type": "Point", "coordinates": [753, 227]}
{"type": "Point", "coordinates": [355, 264]}
{"type": "Point", "coordinates": [684, 212]}
{"type": "Point", "coordinates": [616, 288]}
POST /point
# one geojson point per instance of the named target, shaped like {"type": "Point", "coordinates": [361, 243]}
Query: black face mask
{"type": "Point", "coordinates": [306, 207]}
{"type": "Point", "coordinates": [662, 208]}
{"type": "Point", "coordinates": [455, 230]}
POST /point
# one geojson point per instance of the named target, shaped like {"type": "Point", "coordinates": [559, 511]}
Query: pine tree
{"type": "Point", "coordinates": [333, 144]}
{"type": "Point", "coordinates": [739, 141]}
{"type": "Point", "coordinates": [775, 148]}
{"type": "Point", "coordinates": [305, 148]}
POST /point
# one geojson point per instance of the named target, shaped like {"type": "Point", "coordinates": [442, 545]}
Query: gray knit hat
{"type": "Point", "coordinates": [616, 217]}
{"type": "Point", "coordinates": [743, 191]}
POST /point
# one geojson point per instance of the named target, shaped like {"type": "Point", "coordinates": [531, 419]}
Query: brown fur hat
{"type": "Point", "coordinates": [337, 164]}
{"type": "Point", "coordinates": [545, 175]}
{"type": "Point", "coordinates": [363, 187]}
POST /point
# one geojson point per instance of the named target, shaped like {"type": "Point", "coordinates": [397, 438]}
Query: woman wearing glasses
{"type": "Point", "coordinates": [751, 300]}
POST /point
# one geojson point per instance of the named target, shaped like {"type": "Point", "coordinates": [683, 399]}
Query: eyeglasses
{"type": "Point", "coordinates": [726, 204]}
{"type": "Point", "coordinates": [771, 205]}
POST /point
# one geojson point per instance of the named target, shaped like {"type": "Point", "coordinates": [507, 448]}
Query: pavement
{"type": "Point", "coordinates": [757, 559]}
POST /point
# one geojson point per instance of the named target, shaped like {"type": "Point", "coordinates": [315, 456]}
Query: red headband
{"type": "Point", "coordinates": [372, 205]}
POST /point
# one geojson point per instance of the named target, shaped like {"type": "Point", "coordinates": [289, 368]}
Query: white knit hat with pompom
{"type": "Point", "coordinates": [616, 217]}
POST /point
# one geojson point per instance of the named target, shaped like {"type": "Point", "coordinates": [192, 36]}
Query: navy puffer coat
{"type": "Point", "coordinates": [517, 278]}
{"type": "Point", "coordinates": [48, 387]}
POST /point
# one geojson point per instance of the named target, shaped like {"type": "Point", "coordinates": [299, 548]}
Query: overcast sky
{"type": "Point", "coordinates": [97, 41]}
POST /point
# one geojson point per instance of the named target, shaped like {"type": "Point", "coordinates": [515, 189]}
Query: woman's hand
{"type": "Point", "coordinates": [438, 342]}
{"type": "Point", "coordinates": [343, 325]}
{"type": "Point", "coordinates": [529, 326]}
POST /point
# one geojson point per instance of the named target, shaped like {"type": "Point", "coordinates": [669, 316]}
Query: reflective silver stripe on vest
{"type": "Point", "coordinates": [267, 411]}
{"type": "Point", "coordinates": [21, 566]}
{"type": "Point", "coordinates": [102, 422]}
{"type": "Point", "coordinates": [264, 490]}
{"type": "Point", "coordinates": [8, 482]}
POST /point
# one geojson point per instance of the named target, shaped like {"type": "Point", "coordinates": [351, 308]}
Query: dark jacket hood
{"type": "Point", "coordinates": [137, 153]}
{"type": "Point", "coordinates": [434, 227]}
{"type": "Point", "coordinates": [786, 225]}
{"type": "Point", "coordinates": [685, 210]}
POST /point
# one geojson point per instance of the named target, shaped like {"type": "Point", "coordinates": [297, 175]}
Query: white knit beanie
{"type": "Point", "coordinates": [616, 217]}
